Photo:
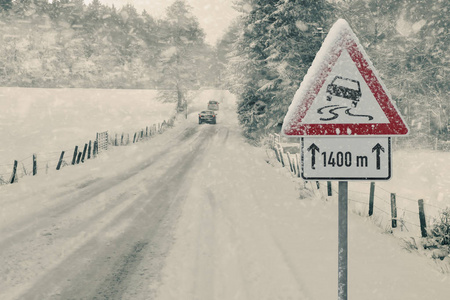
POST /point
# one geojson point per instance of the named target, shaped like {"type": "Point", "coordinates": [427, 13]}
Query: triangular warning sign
{"type": "Point", "coordinates": [342, 94]}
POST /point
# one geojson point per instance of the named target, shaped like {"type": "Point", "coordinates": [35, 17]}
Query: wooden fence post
{"type": "Point", "coordinates": [298, 165]}
{"type": "Point", "coordinates": [292, 159]}
{"type": "Point", "coordinates": [276, 153]}
{"type": "Point", "coordinates": [60, 161]}
{"type": "Point", "coordinates": [393, 211]}
{"type": "Point", "coordinates": [14, 173]}
{"type": "Point", "coordinates": [89, 150]}
{"type": "Point", "coordinates": [79, 157]}
{"type": "Point", "coordinates": [95, 150]}
{"type": "Point", "coordinates": [423, 223]}
{"type": "Point", "coordinates": [34, 164]}
{"type": "Point", "coordinates": [318, 185]}
{"type": "Point", "coordinates": [329, 188]}
{"type": "Point", "coordinates": [75, 153]}
{"type": "Point", "coordinates": [371, 198]}
{"type": "Point", "coordinates": [281, 156]}
{"type": "Point", "coordinates": [84, 153]}
{"type": "Point", "coordinates": [290, 162]}
{"type": "Point", "coordinates": [134, 139]}
{"type": "Point", "coordinates": [121, 140]}
{"type": "Point", "coordinates": [115, 140]}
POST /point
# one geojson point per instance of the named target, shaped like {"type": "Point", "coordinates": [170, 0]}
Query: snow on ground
{"type": "Point", "coordinates": [417, 174]}
{"type": "Point", "coordinates": [47, 121]}
{"type": "Point", "coordinates": [246, 228]}
{"type": "Point", "coordinates": [245, 234]}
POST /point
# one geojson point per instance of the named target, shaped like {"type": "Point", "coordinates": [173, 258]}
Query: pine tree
{"type": "Point", "coordinates": [295, 38]}
{"type": "Point", "coordinates": [184, 38]}
{"type": "Point", "coordinates": [270, 57]}
{"type": "Point", "coordinates": [408, 43]}
{"type": "Point", "coordinates": [224, 49]}
{"type": "Point", "coordinates": [248, 70]}
{"type": "Point", "coordinates": [5, 5]}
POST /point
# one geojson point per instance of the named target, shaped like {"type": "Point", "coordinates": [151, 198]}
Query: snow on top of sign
{"type": "Point", "coordinates": [340, 37]}
{"type": "Point", "coordinates": [320, 63]}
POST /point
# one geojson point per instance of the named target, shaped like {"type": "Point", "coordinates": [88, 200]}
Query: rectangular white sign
{"type": "Point", "coordinates": [340, 158]}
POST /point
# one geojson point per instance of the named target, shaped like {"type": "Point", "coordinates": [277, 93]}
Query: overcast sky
{"type": "Point", "coordinates": [214, 16]}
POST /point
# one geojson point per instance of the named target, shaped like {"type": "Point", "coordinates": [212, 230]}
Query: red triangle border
{"type": "Point", "coordinates": [396, 125]}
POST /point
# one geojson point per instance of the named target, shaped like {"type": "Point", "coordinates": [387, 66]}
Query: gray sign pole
{"type": "Point", "coordinates": [342, 244]}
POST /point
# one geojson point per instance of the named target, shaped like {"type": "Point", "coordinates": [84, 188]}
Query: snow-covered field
{"type": "Point", "coordinates": [417, 174]}
{"type": "Point", "coordinates": [197, 213]}
{"type": "Point", "coordinates": [47, 121]}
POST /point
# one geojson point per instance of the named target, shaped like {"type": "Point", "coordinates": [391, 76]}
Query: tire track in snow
{"type": "Point", "coordinates": [288, 263]}
{"type": "Point", "coordinates": [174, 177]}
{"type": "Point", "coordinates": [86, 192]}
{"type": "Point", "coordinates": [264, 229]}
{"type": "Point", "coordinates": [225, 253]}
{"type": "Point", "coordinates": [203, 284]}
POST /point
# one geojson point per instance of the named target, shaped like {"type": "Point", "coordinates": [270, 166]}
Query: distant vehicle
{"type": "Point", "coordinates": [346, 88]}
{"type": "Point", "coordinates": [213, 105]}
{"type": "Point", "coordinates": [207, 116]}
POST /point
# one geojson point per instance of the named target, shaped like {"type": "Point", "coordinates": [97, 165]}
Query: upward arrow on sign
{"type": "Point", "coordinates": [378, 148]}
{"type": "Point", "coordinates": [313, 148]}
{"type": "Point", "coordinates": [342, 95]}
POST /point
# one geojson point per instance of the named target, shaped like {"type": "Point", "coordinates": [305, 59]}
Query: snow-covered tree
{"type": "Point", "coordinates": [5, 5]}
{"type": "Point", "coordinates": [428, 58]}
{"type": "Point", "coordinates": [295, 38]}
{"type": "Point", "coordinates": [272, 53]}
{"type": "Point", "coordinates": [248, 70]}
{"type": "Point", "coordinates": [183, 39]}
{"type": "Point", "coordinates": [224, 48]}
{"type": "Point", "coordinates": [408, 44]}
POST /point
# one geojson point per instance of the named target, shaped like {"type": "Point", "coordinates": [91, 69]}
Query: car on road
{"type": "Point", "coordinates": [213, 105]}
{"type": "Point", "coordinates": [345, 88]}
{"type": "Point", "coordinates": [207, 116]}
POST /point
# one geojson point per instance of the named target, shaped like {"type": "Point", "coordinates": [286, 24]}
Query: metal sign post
{"type": "Point", "coordinates": [343, 240]}
{"type": "Point", "coordinates": [345, 117]}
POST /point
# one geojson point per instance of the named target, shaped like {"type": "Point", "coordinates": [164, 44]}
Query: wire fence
{"type": "Point", "coordinates": [391, 209]}
{"type": "Point", "coordinates": [44, 162]}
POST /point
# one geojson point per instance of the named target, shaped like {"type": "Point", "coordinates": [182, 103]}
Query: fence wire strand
{"type": "Point", "coordinates": [386, 200]}
{"type": "Point", "coordinates": [46, 161]}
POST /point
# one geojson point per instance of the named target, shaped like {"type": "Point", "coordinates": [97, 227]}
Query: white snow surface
{"type": "Point", "coordinates": [47, 121]}
{"type": "Point", "coordinates": [239, 225]}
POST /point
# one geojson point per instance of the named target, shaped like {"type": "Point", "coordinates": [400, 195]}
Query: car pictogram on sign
{"type": "Point", "coordinates": [346, 88]}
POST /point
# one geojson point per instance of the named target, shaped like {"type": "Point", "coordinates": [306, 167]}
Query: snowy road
{"type": "Point", "coordinates": [89, 240]}
{"type": "Point", "coordinates": [195, 213]}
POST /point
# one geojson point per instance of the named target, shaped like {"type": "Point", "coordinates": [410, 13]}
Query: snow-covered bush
{"type": "Point", "coordinates": [441, 229]}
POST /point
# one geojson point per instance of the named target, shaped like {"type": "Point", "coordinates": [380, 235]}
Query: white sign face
{"type": "Point", "coordinates": [341, 94]}
{"type": "Point", "coordinates": [345, 98]}
{"type": "Point", "coordinates": [339, 158]}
